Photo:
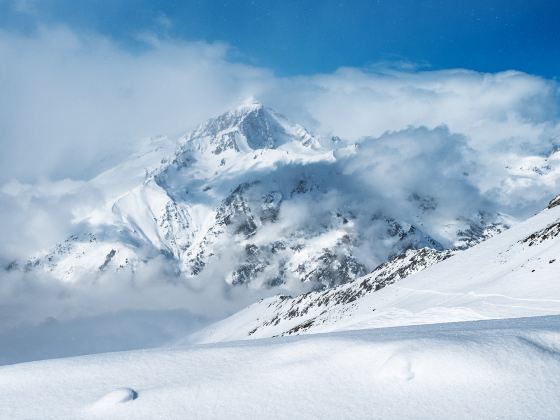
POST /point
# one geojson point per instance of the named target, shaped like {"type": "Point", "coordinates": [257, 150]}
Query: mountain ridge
{"type": "Point", "coordinates": [259, 199]}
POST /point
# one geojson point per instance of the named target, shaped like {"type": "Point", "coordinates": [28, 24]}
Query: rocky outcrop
{"type": "Point", "coordinates": [286, 315]}
{"type": "Point", "coordinates": [554, 202]}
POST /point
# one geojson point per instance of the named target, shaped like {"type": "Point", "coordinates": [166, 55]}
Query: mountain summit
{"type": "Point", "coordinates": [249, 127]}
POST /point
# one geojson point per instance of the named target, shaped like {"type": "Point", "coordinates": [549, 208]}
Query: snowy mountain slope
{"type": "Point", "coordinates": [252, 199]}
{"type": "Point", "coordinates": [295, 315]}
{"type": "Point", "coordinates": [516, 273]}
{"type": "Point", "coordinates": [484, 370]}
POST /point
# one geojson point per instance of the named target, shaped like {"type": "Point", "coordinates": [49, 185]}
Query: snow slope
{"type": "Point", "coordinates": [485, 370]}
{"type": "Point", "coordinates": [514, 274]}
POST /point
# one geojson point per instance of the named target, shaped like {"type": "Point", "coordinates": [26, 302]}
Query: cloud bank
{"type": "Point", "coordinates": [73, 103]}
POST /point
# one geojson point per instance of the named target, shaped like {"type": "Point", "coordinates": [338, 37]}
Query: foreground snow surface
{"type": "Point", "coordinates": [480, 369]}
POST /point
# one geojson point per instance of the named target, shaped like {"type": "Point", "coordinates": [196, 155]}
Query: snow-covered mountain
{"type": "Point", "coordinates": [250, 201]}
{"type": "Point", "coordinates": [249, 198]}
{"type": "Point", "coordinates": [514, 274]}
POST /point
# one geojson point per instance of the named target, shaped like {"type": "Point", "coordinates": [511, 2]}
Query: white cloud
{"type": "Point", "coordinates": [69, 101]}
{"type": "Point", "coordinates": [429, 162]}
{"type": "Point", "coordinates": [503, 118]}
{"type": "Point", "coordinates": [467, 102]}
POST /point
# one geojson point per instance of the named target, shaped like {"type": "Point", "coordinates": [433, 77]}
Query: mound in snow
{"type": "Point", "coordinates": [483, 370]}
{"type": "Point", "coordinates": [516, 273]}
{"type": "Point", "coordinates": [113, 398]}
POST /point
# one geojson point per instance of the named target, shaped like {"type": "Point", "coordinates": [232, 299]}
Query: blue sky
{"type": "Point", "coordinates": [293, 37]}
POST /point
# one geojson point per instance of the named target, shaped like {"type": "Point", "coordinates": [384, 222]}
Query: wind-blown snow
{"type": "Point", "coordinates": [483, 370]}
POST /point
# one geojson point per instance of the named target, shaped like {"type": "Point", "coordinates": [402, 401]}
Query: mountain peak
{"type": "Point", "coordinates": [250, 126]}
{"type": "Point", "coordinates": [250, 105]}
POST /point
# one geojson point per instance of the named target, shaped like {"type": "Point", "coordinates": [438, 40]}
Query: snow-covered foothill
{"type": "Point", "coordinates": [513, 274]}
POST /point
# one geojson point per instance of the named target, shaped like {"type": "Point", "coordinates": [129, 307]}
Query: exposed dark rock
{"type": "Point", "coordinates": [542, 235]}
{"type": "Point", "coordinates": [271, 206]}
{"type": "Point", "coordinates": [12, 266]}
{"type": "Point", "coordinates": [301, 187]}
{"type": "Point", "coordinates": [246, 272]}
{"type": "Point", "coordinates": [235, 211]}
{"type": "Point", "coordinates": [554, 202]}
{"type": "Point", "coordinates": [108, 259]}
{"type": "Point", "coordinates": [227, 141]}
{"type": "Point", "coordinates": [424, 203]}
{"type": "Point", "coordinates": [479, 229]}
{"type": "Point", "coordinates": [405, 264]}
{"type": "Point", "coordinates": [334, 269]}
{"type": "Point", "coordinates": [300, 328]}
{"type": "Point", "coordinates": [277, 247]}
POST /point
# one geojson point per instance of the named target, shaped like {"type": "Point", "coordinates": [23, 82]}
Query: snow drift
{"type": "Point", "coordinates": [485, 370]}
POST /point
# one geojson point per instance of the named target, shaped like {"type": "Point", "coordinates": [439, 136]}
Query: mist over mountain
{"type": "Point", "coordinates": [251, 204]}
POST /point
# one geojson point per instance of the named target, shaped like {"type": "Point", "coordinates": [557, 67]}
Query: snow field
{"type": "Point", "coordinates": [488, 369]}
